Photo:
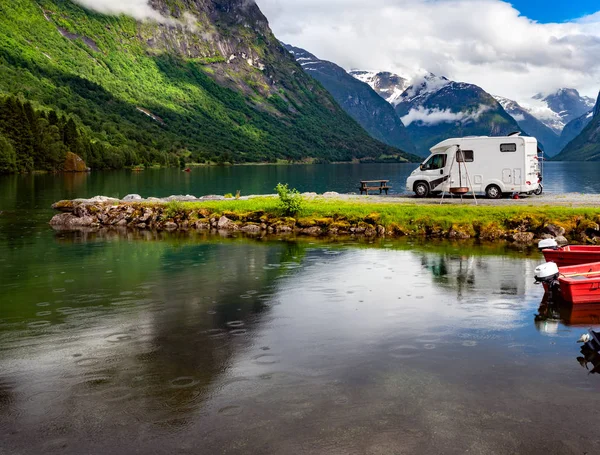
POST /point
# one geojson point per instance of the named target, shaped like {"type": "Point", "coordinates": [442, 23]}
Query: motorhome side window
{"type": "Point", "coordinates": [435, 162]}
{"type": "Point", "coordinates": [508, 147]}
{"type": "Point", "coordinates": [464, 156]}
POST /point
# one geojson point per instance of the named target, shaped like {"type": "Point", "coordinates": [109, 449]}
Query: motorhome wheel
{"type": "Point", "coordinates": [421, 189]}
{"type": "Point", "coordinates": [539, 190]}
{"type": "Point", "coordinates": [493, 192]}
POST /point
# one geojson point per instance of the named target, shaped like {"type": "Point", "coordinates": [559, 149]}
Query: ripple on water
{"type": "Point", "coordinates": [87, 362]}
{"type": "Point", "coordinates": [118, 337]}
{"type": "Point", "coordinates": [42, 304]}
{"type": "Point", "coordinates": [183, 382]}
{"type": "Point", "coordinates": [469, 343]}
{"type": "Point", "coordinates": [404, 351]}
{"type": "Point", "coordinates": [266, 359]}
{"type": "Point", "coordinates": [38, 324]}
{"type": "Point", "coordinates": [235, 324]}
{"type": "Point", "coordinates": [238, 332]}
{"type": "Point", "coordinates": [43, 313]}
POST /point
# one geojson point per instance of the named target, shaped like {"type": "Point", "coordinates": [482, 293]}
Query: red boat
{"type": "Point", "coordinates": [573, 255]}
{"type": "Point", "coordinates": [580, 284]}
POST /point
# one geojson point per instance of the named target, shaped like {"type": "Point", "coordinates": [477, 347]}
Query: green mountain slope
{"type": "Point", "coordinates": [220, 88]}
{"type": "Point", "coordinates": [586, 146]}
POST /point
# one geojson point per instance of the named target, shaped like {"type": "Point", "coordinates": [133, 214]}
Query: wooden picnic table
{"type": "Point", "coordinates": [374, 185]}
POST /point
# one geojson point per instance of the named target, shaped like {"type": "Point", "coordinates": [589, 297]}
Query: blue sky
{"type": "Point", "coordinates": [555, 10]}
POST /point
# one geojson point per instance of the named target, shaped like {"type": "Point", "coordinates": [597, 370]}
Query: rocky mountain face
{"type": "Point", "coordinates": [585, 146]}
{"type": "Point", "coordinates": [388, 85]}
{"type": "Point", "coordinates": [435, 108]}
{"type": "Point", "coordinates": [574, 128]}
{"type": "Point", "coordinates": [358, 99]}
{"type": "Point", "coordinates": [557, 109]}
{"type": "Point", "coordinates": [549, 141]}
{"type": "Point", "coordinates": [205, 79]}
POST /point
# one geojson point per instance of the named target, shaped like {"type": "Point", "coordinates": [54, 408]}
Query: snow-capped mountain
{"type": "Point", "coordinates": [388, 85]}
{"type": "Point", "coordinates": [585, 146]}
{"type": "Point", "coordinates": [557, 109]}
{"type": "Point", "coordinates": [548, 139]}
{"type": "Point", "coordinates": [435, 108]}
{"type": "Point", "coordinates": [357, 98]}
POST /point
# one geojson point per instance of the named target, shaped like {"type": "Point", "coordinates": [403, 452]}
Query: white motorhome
{"type": "Point", "coordinates": [490, 165]}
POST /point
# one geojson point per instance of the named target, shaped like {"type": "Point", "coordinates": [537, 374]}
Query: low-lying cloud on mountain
{"type": "Point", "coordinates": [138, 9]}
{"type": "Point", "coordinates": [436, 116]}
{"type": "Point", "coordinates": [485, 42]}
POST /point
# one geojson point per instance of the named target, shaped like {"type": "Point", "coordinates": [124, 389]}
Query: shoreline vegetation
{"type": "Point", "coordinates": [333, 215]}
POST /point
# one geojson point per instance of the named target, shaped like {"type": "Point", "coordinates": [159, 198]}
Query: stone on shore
{"type": "Point", "coordinates": [74, 163]}
{"type": "Point", "coordinates": [132, 197]}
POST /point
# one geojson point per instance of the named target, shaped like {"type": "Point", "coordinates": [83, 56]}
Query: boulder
{"type": "Point", "coordinates": [459, 235]}
{"type": "Point", "coordinates": [561, 240]}
{"type": "Point", "coordinates": [331, 194]}
{"type": "Point", "coordinates": [132, 197]}
{"type": "Point", "coordinates": [170, 226]}
{"type": "Point", "coordinates": [554, 230]}
{"type": "Point", "coordinates": [314, 231]}
{"type": "Point", "coordinates": [381, 231]}
{"type": "Point", "coordinates": [68, 220]}
{"type": "Point", "coordinates": [187, 198]}
{"type": "Point", "coordinates": [201, 226]}
{"type": "Point", "coordinates": [74, 163]}
{"type": "Point", "coordinates": [251, 229]}
{"type": "Point", "coordinates": [524, 238]}
{"type": "Point", "coordinates": [225, 224]}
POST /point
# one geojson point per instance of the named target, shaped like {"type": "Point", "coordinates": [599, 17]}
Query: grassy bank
{"type": "Point", "coordinates": [338, 216]}
{"type": "Point", "coordinates": [486, 222]}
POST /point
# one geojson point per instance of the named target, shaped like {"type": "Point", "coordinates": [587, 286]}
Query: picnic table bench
{"type": "Point", "coordinates": [374, 185]}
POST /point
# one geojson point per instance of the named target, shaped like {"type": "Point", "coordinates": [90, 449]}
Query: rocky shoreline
{"type": "Point", "coordinates": [171, 214]}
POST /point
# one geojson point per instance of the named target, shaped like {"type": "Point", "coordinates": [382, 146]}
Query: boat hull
{"type": "Point", "coordinates": [580, 284]}
{"type": "Point", "coordinates": [573, 255]}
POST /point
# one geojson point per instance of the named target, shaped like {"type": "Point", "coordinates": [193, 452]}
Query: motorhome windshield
{"type": "Point", "coordinates": [434, 162]}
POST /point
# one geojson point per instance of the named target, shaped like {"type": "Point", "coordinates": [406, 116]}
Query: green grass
{"type": "Point", "coordinates": [414, 218]}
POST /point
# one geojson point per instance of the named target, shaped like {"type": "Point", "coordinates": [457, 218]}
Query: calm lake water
{"type": "Point", "coordinates": [197, 344]}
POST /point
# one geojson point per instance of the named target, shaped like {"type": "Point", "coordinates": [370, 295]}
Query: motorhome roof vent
{"type": "Point", "coordinates": [516, 133]}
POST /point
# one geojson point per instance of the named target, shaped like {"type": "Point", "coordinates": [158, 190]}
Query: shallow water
{"type": "Point", "coordinates": [196, 344]}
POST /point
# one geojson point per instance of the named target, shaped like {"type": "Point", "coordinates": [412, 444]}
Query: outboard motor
{"type": "Point", "coordinates": [548, 244]}
{"type": "Point", "coordinates": [547, 274]}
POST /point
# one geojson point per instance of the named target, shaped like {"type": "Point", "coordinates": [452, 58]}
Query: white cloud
{"type": "Point", "coordinates": [436, 116]}
{"type": "Point", "coordinates": [486, 42]}
{"type": "Point", "coordinates": [138, 9]}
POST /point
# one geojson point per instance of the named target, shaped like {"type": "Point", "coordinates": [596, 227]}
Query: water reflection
{"type": "Point", "coordinates": [233, 345]}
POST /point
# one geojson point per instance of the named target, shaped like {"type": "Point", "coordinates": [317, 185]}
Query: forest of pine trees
{"type": "Point", "coordinates": [39, 140]}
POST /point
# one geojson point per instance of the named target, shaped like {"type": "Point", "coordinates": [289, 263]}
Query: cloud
{"type": "Point", "coordinates": [138, 9]}
{"type": "Point", "coordinates": [436, 116]}
{"type": "Point", "coordinates": [486, 42]}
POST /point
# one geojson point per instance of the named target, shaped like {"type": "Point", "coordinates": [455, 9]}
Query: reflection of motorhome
{"type": "Point", "coordinates": [490, 165]}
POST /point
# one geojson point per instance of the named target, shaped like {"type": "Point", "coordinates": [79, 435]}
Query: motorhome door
{"type": "Point", "coordinates": [434, 170]}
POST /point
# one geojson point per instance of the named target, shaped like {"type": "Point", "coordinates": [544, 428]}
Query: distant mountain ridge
{"type": "Point", "coordinates": [435, 108]}
{"type": "Point", "coordinates": [557, 109]}
{"type": "Point", "coordinates": [357, 98]}
{"type": "Point", "coordinates": [547, 138]}
{"type": "Point", "coordinates": [585, 146]}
